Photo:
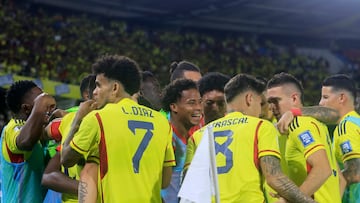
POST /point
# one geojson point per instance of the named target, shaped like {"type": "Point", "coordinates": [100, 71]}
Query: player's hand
{"type": "Point", "coordinates": [284, 122]}
{"type": "Point", "coordinates": [281, 200]}
{"type": "Point", "coordinates": [85, 108]}
{"type": "Point", "coordinates": [44, 104]}
{"type": "Point", "coordinates": [58, 113]}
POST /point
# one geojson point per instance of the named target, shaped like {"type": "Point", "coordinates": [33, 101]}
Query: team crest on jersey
{"type": "Point", "coordinates": [306, 138]}
{"type": "Point", "coordinates": [346, 147]}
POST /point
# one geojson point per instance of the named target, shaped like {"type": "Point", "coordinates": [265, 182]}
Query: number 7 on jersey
{"type": "Point", "coordinates": [133, 125]}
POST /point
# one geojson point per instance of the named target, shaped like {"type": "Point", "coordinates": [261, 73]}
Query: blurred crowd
{"type": "Point", "coordinates": [60, 46]}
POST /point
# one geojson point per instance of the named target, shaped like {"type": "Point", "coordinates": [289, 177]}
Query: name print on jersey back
{"type": "Point", "coordinates": [138, 111]}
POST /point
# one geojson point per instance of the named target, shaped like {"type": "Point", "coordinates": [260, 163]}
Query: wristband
{"type": "Point", "coordinates": [296, 111]}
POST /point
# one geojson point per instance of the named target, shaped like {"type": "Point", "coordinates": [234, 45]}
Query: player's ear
{"type": "Point", "coordinates": [26, 108]}
{"type": "Point", "coordinates": [173, 107]}
{"type": "Point", "coordinates": [295, 98]}
{"type": "Point", "coordinates": [117, 88]}
{"type": "Point", "coordinates": [248, 98]}
{"type": "Point", "coordinates": [342, 97]}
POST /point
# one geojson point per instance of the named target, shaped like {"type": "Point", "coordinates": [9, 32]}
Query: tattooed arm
{"type": "Point", "coordinates": [270, 167]}
{"type": "Point", "coordinates": [323, 114]}
{"type": "Point", "coordinates": [351, 171]}
{"type": "Point", "coordinates": [88, 183]}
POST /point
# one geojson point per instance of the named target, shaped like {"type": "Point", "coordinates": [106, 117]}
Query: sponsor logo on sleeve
{"type": "Point", "coordinates": [346, 147]}
{"type": "Point", "coordinates": [306, 138]}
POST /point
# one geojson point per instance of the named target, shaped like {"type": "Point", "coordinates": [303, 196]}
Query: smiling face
{"type": "Point", "coordinates": [280, 100]}
{"type": "Point", "coordinates": [188, 108]}
{"type": "Point", "coordinates": [214, 105]}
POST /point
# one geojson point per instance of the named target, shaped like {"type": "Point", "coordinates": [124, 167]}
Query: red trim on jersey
{"type": "Point", "coordinates": [58, 148]}
{"type": "Point", "coordinates": [186, 165]}
{"type": "Point", "coordinates": [102, 149]}
{"type": "Point", "coordinates": [316, 127]}
{"type": "Point", "coordinates": [312, 149]}
{"type": "Point", "coordinates": [256, 150]}
{"type": "Point", "coordinates": [14, 158]}
{"type": "Point", "coordinates": [54, 129]}
{"type": "Point", "coordinates": [270, 151]}
{"type": "Point", "coordinates": [78, 147]}
{"type": "Point", "coordinates": [183, 139]}
{"type": "Point", "coordinates": [192, 138]}
{"type": "Point", "coordinates": [352, 154]}
{"type": "Point", "coordinates": [169, 161]}
{"type": "Point", "coordinates": [198, 126]}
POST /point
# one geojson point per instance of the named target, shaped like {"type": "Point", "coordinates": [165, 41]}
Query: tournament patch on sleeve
{"type": "Point", "coordinates": [346, 147]}
{"type": "Point", "coordinates": [306, 138]}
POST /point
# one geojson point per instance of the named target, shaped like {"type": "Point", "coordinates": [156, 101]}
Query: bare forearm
{"type": "Point", "coordinates": [74, 128]}
{"type": "Point", "coordinates": [323, 114]}
{"type": "Point", "coordinates": [289, 190]}
{"type": "Point", "coordinates": [88, 183]}
{"type": "Point", "coordinates": [314, 181]}
{"type": "Point", "coordinates": [69, 157]}
{"type": "Point", "coordinates": [32, 131]}
{"type": "Point", "coordinates": [279, 182]}
{"type": "Point", "coordinates": [351, 171]}
{"type": "Point", "coordinates": [59, 182]}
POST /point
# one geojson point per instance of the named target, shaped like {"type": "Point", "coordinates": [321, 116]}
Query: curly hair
{"type": "Point", "coordinates": [172, 92]}
{"type": "Point", "coordinates": [16, 92]}
{"type": "Point", "coordinates": [212, 81]}
{"type": "Point", "coordinates": [120, 68]}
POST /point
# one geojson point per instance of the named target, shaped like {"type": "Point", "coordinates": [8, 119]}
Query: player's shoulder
{"type": "Point", "coordinates": [349, 124]}
{"type": "Point", "coordinates": [14, 125]}
{"type": "Point", "coordinates": [303, 122]}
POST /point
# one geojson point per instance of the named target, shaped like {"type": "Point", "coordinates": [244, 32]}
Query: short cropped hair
{"type": "Point", "coordinates": [172, 92]}
{"type": "Point", "coordinates": [341, 82]}
{"type": "Point", "coordinates": [16, 92]}
{"type": "Point", "coordinates": [177, 69]}
{"type": "Point", "coordinates": [286, 78]}
{"type": "Point", "coordinates": [120, 68]}
{"type": "Point", "coordinates": [212, 81]}
{"type": "Point", "coordinates": [242, 83]}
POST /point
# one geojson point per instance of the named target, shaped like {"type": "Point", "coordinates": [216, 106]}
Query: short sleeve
{"type": "Point", "coordinates": [169, 151]}
{"type": "Point", "coordinates": [348, 143]}
{"type": "Point", "coordinates": [267, 136]}
{"type": "Point", "coordinates": [87, 136]}
{"type": "Point", "coordinates": [307, 137]}
{"type": "Point", "coordinates": [191, 148]}
{"type": "Point", "coordinates": [10, 139]}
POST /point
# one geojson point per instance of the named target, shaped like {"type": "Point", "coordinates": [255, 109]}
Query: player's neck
{"type": "Point", "coordinates": [345, 110]}
{"type": "Point", "coordinates": [180, 129]}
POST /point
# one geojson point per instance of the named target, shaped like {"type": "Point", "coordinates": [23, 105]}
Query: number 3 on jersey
{"type": "Point", "coordinates": [224, 149]}
{"type": "Point", "coordinates": [133, 125]}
